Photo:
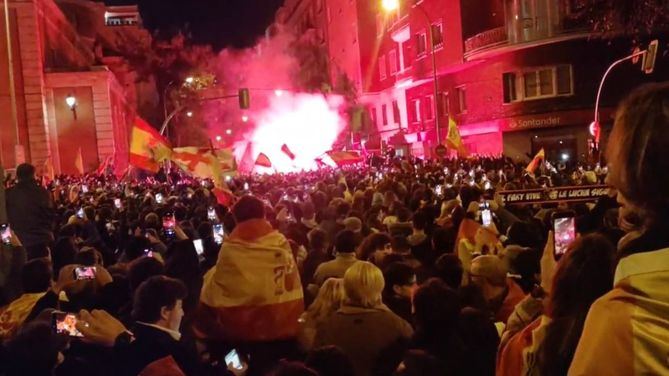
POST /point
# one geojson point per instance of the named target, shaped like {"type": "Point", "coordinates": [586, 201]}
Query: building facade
{"type": "Point", "coordinates": [515, 75]}
{"type": "Point", "coordinates": [71, 93]}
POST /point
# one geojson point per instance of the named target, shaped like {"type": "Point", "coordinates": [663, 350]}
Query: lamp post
{"type": "Point", "coordinates": [187, 81]}
{"type": "Point", "coordinates": [71, 102]}
{"type": "Point", "coordinates": [393, 5]}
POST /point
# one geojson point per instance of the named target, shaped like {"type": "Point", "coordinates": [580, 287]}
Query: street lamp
{"type": "Point", "coordinates": [245, 118]}
{"type": "Point", "coordinates": [228, 132]}
{"type": "Point", "coordinates": [189, 80]}
{"type": "Point", "coordinates": [219, 138]}
{"type": "Point", "coordinates": [71, 102]}
{"type": "Point", "coordinates": [278, 92]}
{"type": "Point", "coordinates": [189, 113]}
{"type": "Point", "coordinates": [393, 5]}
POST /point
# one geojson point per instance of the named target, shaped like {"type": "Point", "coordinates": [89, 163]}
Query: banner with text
{"type": "Point", "coordinates": [556, 194]}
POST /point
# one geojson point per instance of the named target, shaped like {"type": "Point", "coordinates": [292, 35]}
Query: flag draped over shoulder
{"type": "Point", "coordinates": [536, 161]}
{"type": "Point", "coordinates": [263, 160]}
{"type": "Point", "coordinates": [453, 139]}
{"type": "Point", "coordinates": [342, 158]}
{"type": "Point", "coordinates": [254, 291]}
{"type": "Point", "coordinates": [13, 315]}
{"type": "Point", "coordinates": [147, 147]}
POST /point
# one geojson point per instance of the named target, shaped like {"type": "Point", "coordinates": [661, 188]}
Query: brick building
{"type": "Point", "coordinates": [61, 49]}
{"type": "Point", "coordinates": [515, 75]}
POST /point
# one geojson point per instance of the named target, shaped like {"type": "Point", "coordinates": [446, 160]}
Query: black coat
{"type": "Point", "coordinates": [152, 344]}
{"type": "Point", "coordinates": [30, 213]}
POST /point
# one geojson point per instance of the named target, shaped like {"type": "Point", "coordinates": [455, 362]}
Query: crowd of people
{"type": "Point", "coordinates": [397, 267]}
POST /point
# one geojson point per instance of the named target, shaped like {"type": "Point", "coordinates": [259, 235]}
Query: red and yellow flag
{"type": "Point", "coordinates": [147, 147]}
{"type": "Point", "coordinates": [453, 139]}
{"type": "Point", "coordinates": [342, 158]}
{"type": "Point", "coordinates": [287, 151]}
{"type": "Point", "coordinates": [536, 161]}
{"type": "Point", "coordinates": [263, 160]}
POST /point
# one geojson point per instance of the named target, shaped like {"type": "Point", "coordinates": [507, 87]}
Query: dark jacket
{"type": "Point", "coordinates": [383, 331]}
{"type": "Point", "coordinates": [30, 212]}
{"type": "Point", "coordinates": [152, 344]}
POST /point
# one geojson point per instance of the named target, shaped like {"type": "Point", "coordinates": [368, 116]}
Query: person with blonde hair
{"type": "Point", "coordinates": [363, 313]}
{"type": "Point", "coordinates": [329, 299]}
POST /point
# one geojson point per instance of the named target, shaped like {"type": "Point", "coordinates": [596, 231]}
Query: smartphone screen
{"type": "Point", "coordinates": [6, 234]}
{"type": "Point", "coordinates": [218, 233]}
{"type": "Point", "coordinates": [232, 360]}
{"type": "Point", "coordinates": [439, 190]}
{"type": "Point", "coordinates": [564, 229]}
{"type": "Point", "coordinates": [117, 203]}
{"type": "Point", "coordinates": [65, 323]}
{"type": "Point", "coordinates": [84, 272]}
{"type": "Point", "coordinates": [199, 248]}
{"type": "Point", "coordinates": [159, 198]}
{"type": "Point", "coordinates": [80, 213]}
{"type": "Point", "coordinates": [168, 224]}
{"type": "Point", "coordinates": [84, 188]}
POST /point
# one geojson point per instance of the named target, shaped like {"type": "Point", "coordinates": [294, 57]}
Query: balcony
{"type": "Point", "coordinates": [487, 39]}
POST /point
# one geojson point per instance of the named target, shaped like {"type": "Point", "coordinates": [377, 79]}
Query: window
{"type": "Point", "coordinates": [396, 112]}
{"type": "Point", "coordinates": [437, 35]}
{"type": "Point", "coordinates": [537, 83]}
{"type": "Point", "coordinates": [372, 115]}
{"type": "Point", "coordinates": [415, 113]}
{"type": "Point", "coordinates": [421, 44]}
{"type": "Point", "coordinates": [392, 61]}
{"type": "Point", "coordinates": [510, 91]}
{"type": "Point", "coordinates": [382, 67]}
{"type": "Point", "coordinates": [462, 99]}
{"type": "Point", "coordinates": [443, 104]}
{"type": "Point", "coordinates": [384, 115]}
{"type": "Point", "coordinates": [429, 105]}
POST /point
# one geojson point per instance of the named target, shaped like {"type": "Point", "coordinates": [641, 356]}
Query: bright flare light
{"type": "Point", "coordinates": [189, 80]}
{"type": "Point", "coordinates": [245, 118]}
{"type": "Point", "coordinates": [390, 5]}
{"type": "Point", "coordinates": [278, 92]}
{"type": "Point", "coordinates": [189, 113]}
{"type": "Point", "coordinates": [228, 131]}
{"type": "Point", "coordinates": [219, 138]}
{"type": "Point", "coordinates": [307, 123]}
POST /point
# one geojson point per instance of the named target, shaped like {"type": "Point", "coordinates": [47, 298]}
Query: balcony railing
{"type": "Point", "coordinates": [489, 38]}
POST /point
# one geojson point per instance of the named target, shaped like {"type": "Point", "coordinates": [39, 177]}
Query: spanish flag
{"type": "Point", "coordinates": [342, 158]}
{"type": "Point", "coordinates": [541, 156]}
{"type": "Point", "coordinates": [253, 293]}
{"type": "Point", "coordinates": [147, 147]}
{"type": "Point", "coordinates": [453, 139]}
{"type": "Point", "coordinates": [13, 315]}
{"type": "Point", "coordinates": [263, 160]}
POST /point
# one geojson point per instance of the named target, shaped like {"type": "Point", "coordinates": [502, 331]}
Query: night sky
{"type": "Point", "coordinates": [221, 23]}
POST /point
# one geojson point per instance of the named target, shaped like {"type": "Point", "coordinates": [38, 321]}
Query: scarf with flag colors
{"type": "Point", "coordinates": [536, 161]}
{"type": "Point", "coordinates": [254, 291]}
{"type": "Point", "coordinates": [147, 147]}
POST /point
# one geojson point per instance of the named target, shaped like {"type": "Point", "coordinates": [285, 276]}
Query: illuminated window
{"type": "Point", "coordinates": [421, 44]}
{"type": "Point", "coordinates": [537, 83]}
{"type": "Point", "coordinates": [382, 67]}
{"type": "Point", "coordinates": [392, 61]}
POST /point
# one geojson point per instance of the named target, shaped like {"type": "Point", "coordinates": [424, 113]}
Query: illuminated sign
{"type": "Point", "coordinates": [554, 195]}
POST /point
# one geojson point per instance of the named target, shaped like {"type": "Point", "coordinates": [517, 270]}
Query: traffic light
{"type": "Point", "coordinates": [244, 99]}
{"type": "Point", "coordinates": [648, 63]}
